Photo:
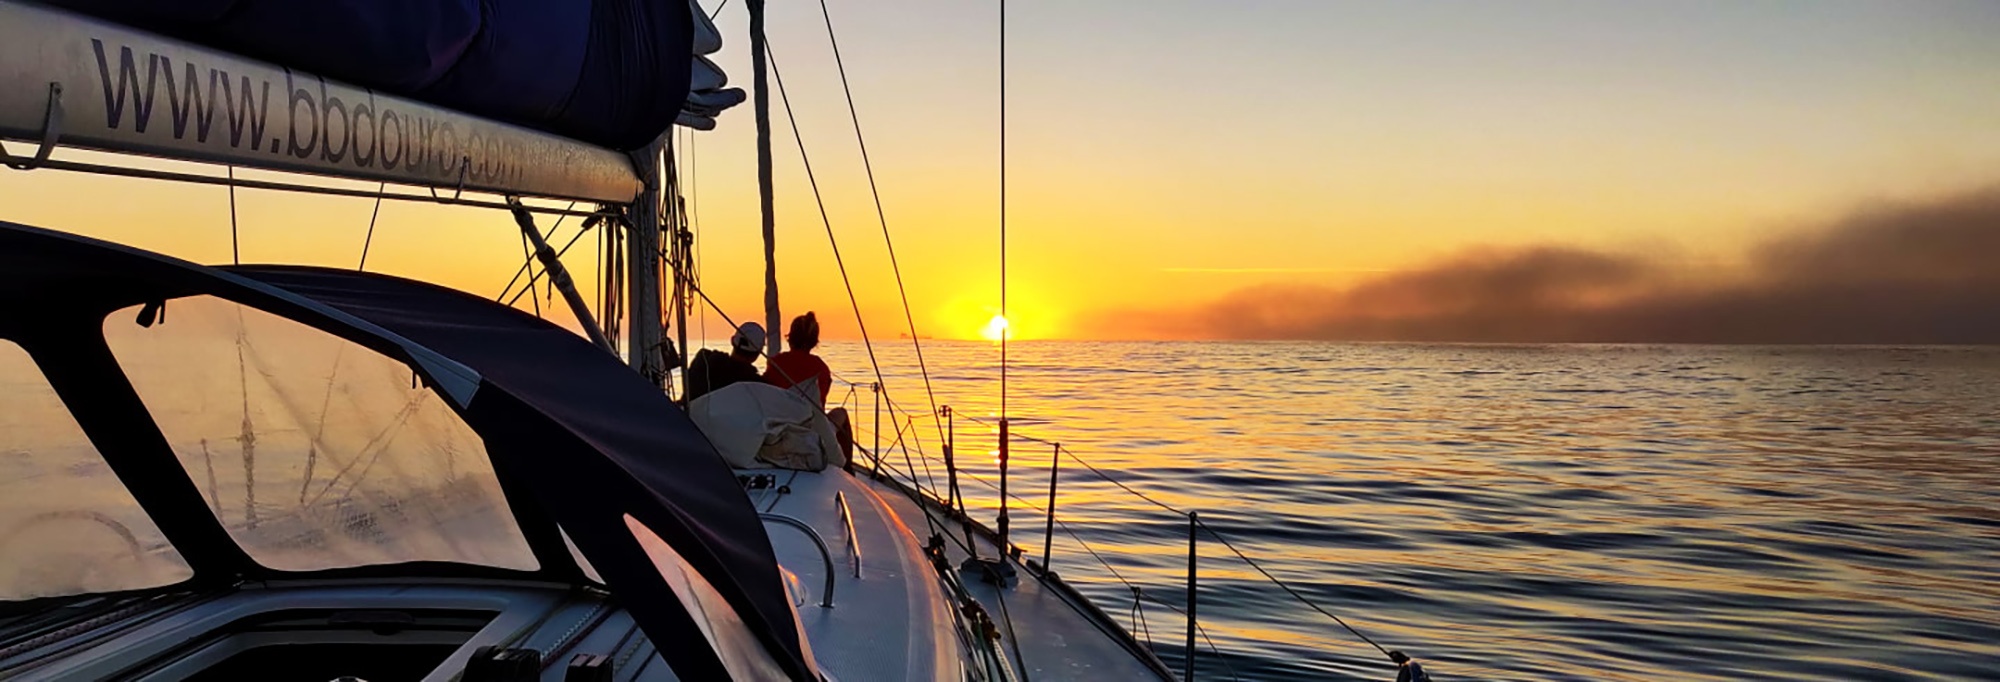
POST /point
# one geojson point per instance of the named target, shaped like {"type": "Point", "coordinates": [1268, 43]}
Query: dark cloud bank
{"type": "Point", "coordinates": [1902, 274]}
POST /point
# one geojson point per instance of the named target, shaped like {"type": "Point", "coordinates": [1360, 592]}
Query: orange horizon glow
{"type": "Point", "coordinates": [1382, 143]}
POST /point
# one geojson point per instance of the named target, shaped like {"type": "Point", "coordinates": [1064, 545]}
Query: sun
{"type": "Point", "coordinates": [996, 329]}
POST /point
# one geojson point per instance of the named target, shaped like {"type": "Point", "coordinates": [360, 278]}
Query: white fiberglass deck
{"type": "Point", "coordinates": [894, 621]}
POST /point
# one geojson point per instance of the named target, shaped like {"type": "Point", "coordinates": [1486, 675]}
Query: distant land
{"type": "Point", "coordinates": [1911, 273]}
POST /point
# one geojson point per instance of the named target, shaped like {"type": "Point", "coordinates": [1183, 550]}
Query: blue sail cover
{"type": "Point", "coordinates": [608, 72]}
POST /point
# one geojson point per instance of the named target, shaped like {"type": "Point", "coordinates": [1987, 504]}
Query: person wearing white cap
{"type": "Point", "coordinates": [711, 369]}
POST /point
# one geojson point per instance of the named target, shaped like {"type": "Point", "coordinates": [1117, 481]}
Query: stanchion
{"type": "Point", "coordinates": [1194, 524]}
{"type": "Point", "coordinates": [1049, 533]}
{"type": "Point", "coordinates": [951, 465]}
{"type": "Point", "coordinates": [1005, 544]}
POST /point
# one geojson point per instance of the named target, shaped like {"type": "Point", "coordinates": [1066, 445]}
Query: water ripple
{"type": "Point", "coordinates": [1519, 512]}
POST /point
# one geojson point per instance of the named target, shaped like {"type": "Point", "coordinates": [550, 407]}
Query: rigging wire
{"type": "Point", "coordinates": [1006, 325]}
{"type": "Point", "coordinates": [882, 217]}
{"type": "Point", "coordinates": [235, 247]}
{"type": "Point", "coordinates": [694, 230]}
{"type": "Point", "coordinates": [528, 255]}
{"type": "Point", "coordinates": [861, 323]}
{"type": "Point", "coordinates": [538, 274]}
{"type": "Point", "coordinates": [370, 239]}
{"type": "Point", "coordinates": [530, 262]}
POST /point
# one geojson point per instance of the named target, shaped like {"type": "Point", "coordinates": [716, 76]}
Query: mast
{"type": "Point", "coordinates": [644, 335]}
{"type": "Point", "coordinates": [758, 60]}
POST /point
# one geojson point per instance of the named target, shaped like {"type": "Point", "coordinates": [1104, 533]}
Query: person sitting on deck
{"type": "Point", "coordinates": [798, 369]}
{"type": "Point", "coordinates": [802, 372]}
{"type": "Point", "coordinates": [712, 369]}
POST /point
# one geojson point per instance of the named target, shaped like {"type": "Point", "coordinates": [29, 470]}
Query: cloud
{"type": "Point", "coordinates": [1894, 274]}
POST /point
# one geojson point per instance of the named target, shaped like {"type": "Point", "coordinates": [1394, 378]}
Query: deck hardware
{"type": "Point", "coordinates": [1004, 542]}
{"type": "Point", "coordinates": [876, 452]}
{"type": "Point", "coordinates": [953, 500]}
{"type": "Point", "coordinates": [51, 131]}
{"type": "Point", "coordinates": [853, 542]}
{"type": "Point", "coordinates": [1194, 525]}
{"type": "Point", "coordinates": [1049, 532]}
{"type": "Point", "coordinates": [826, 594]}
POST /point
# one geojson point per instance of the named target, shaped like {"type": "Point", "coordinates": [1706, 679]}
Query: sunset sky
{"type": "Point", "coordinates": [1167, 154]}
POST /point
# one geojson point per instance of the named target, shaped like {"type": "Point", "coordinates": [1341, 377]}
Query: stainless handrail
{"type": "Point", "coordinates": [826, 595]}
{"type": "Point", "coordinates": [853, 543]}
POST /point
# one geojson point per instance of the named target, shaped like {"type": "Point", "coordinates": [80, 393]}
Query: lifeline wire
{"type": "Point", "coordinates": [1288, 588]}
{"type": "Point", "coordinates": [1212, 533]}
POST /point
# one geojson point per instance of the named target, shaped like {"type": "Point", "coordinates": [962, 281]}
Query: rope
{"type": "Point", "coordinates": [694, 229]}
{"type": "Point", "coordinates": [370, 240]}
{"type": "Point", "coordinates": [882, 217]}
{"type": "Point", "coordinates": [1013, 640]}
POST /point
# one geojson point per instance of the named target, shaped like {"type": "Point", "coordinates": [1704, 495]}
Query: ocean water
{"type": "Point", "coordinates": [1502, 512]}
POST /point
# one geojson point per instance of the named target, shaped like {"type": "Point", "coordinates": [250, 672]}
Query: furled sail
{"type": "Point", "coordinates": [708, 94]}
{"type": "Point", "coordinates": [612, 73]}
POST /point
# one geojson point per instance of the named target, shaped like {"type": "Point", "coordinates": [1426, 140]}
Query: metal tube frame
{"type": "Point", "coordinates": [1049, 532]}
{"type": "Point", "coordinates": [1006, 545]}
{"type": "Point", "coordinates": [826, 596]}
{"type": "Point", "coordinates": [1194, 524]}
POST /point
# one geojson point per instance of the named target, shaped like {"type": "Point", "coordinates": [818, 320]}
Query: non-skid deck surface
{"type": "Point", "coordinates": [1057, 640]}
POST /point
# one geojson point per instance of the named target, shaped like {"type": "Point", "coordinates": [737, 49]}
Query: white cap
{"type": "Point", "coordinates": [749, 338]}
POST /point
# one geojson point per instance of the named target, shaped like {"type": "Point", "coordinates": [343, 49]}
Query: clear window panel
{"type": "Point", "coordinates": [314, 451]}
{"type": "Point", "coordinates": [67, 525]}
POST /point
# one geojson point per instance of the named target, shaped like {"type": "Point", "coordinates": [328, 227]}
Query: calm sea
{"type": "Point", "coordinates": [1510, 512]}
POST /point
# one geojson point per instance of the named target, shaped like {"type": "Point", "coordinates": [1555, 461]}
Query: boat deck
{"type": "Point", "coordinates": [1058, 636]}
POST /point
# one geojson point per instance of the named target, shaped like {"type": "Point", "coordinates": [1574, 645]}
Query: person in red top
{"type": "Point", "coordinates": [799, 370]}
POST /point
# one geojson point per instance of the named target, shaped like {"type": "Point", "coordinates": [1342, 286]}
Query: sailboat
{"type": "Point", "coordinates": [281, 472]}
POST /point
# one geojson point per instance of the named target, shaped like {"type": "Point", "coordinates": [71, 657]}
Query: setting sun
{"type": "Point", "coordinates": [996, 329]}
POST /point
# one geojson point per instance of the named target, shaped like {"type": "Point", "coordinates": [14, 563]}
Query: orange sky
{"type": "Point", "coordinates": [1167, 154]}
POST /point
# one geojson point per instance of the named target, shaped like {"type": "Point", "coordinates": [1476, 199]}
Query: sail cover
{"type": "Point", "coordinates": [167, 425]}
{"type": "Point", "coordinates": [613, 73]}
